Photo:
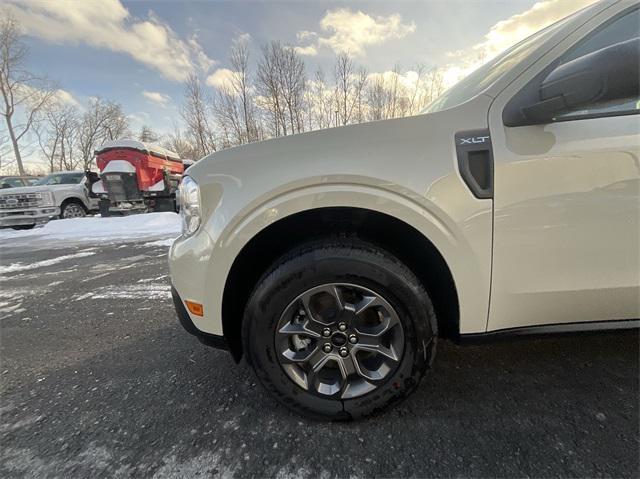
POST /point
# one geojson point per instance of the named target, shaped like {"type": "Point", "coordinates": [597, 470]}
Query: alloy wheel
{"type": "Point", "coordinates": [339, 340]}
{"type": "Point", "coordinates": [73, 211]}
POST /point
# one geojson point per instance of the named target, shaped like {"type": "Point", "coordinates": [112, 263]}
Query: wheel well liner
{"type": "Point", "coordinates": [392, 234]}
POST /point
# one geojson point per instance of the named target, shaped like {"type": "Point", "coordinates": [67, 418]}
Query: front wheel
{"type": "Point", "coordinates": [72, 210]}
{"type": "Point", "coordinates": [339, 329]}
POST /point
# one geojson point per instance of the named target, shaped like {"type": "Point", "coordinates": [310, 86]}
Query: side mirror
{"type": "Point", "coordinates": [609, 74]}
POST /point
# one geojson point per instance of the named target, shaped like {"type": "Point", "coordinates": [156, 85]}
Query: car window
{"type": "Point", "coordinates": [61, 179]}
{"type": "Point", "coordinates": [11, 182]}
{"type": "Point", "coordinates": [622, 29]}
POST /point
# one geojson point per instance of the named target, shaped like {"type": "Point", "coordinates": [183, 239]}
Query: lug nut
{"type": "Point", "coordinates": [353, 339]}
{"type": "Point", "coordinates": [342, 327]}
{"type": "Point", "coordinates": [343, 352]}
{"type": "Point", "coordinates": [327, 348]}
{"type": "Point", "coordinates": [326, 332]}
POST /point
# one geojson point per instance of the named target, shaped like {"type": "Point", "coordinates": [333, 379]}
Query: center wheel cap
{"type": "Point", "coordinates": [339, 339]}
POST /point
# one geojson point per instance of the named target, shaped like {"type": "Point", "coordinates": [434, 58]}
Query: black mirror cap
{"type": "Point", "coordinates": [609, 74]}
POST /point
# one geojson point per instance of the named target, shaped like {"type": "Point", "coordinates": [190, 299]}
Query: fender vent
{"type": "Point", "coordinates": [475, 161]}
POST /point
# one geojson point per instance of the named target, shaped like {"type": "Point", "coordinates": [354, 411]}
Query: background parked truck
{"type": "Point", "coordinates": [65, 194]}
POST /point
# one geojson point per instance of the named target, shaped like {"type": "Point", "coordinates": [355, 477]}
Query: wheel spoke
{"type": "Point", "coordinates": [367, 302]}
{"type": "Point", "coordinates": [297, 357]}
{"type": "Point", "coordinates": [313, 380]}
{"type": "Point", "coordinates": [302, 329]}
{"type": "Point", "coordinates": [347, 367]}
{"type": "Point", "coordinates": [335, 291]}
{"type": "Point", "coordinates": [371, 344]}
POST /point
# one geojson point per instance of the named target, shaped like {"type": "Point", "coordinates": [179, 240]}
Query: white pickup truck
{"type": "Point", "coordinates": [333, 260]}
{"type": "Point", "coordinates": [64, 194]}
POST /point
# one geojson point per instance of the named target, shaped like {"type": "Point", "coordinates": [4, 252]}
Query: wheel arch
{"type": "Point", "coordinates": [398, 237]}
{"type": "Point", "coordinates": [73, 199]}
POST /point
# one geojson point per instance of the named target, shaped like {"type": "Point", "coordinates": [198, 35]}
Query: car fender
{"type": "Point", "coordinates": [62, 195]}
{"type": "Point", "coordinates": [217, 244]}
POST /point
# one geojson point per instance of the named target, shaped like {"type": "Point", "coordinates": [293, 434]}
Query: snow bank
{"type": "Point", "coordinates": [96, 229]}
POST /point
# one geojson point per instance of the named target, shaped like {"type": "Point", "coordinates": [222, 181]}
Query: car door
{"type": "Point", "coordinates": [567, 199]}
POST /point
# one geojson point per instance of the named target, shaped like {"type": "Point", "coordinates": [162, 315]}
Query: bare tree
{"type": "Point", "coordinates": [434, 87]}
{"type": "Point", "coordinates": [57, 135]}
{"type": "Point", "coordinates": [228, 110]}
{"type": "Point", "coordinates": [320, 102]}
{"type": "Point", "coordinates": [196, 115]}
{"type": "Point", "coordinates": [279, 100]}
{"type": "Point", "coordinates": [377, 98]}
{"type": "Point", "coordinates": [148, 135]}
{"type": "Point", "coordinates": [234, 107]}
{"type": "Point", "coordinates": [350, 83]}
{"type": "Point", "coordinates": [21, 90]}
{"type": "Point", "coordinates": [102, 121]}
{"type": "Point", "coordinates": [270, 88]}
{"type": "Point", "coordinates": [181, 145]}
{"type": "Point", "coordinates": [294, 79]}
{"type": "Point", "coordinates": [116, 124]}
{"type": "Point", "coordinates": [281, 84]}
{"type": "Point", "coordinates": [241, 86]}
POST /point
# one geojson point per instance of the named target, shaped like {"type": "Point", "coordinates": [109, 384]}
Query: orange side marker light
{"type": "Point", "coordinates": [195, 308]}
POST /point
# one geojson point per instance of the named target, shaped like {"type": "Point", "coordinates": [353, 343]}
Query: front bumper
{"type": "Point", "coordinates": [212, 340]}
{"type": "Point", "coordinates": [28, 216]}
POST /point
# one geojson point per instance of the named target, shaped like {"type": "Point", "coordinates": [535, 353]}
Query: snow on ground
{"type": "Point", "coordinates": [162, 242]}
{"type": "Point", "coordinates": [147, 290]}
{"type": "Point", "coordinates": [97, 229]}
{"type": "Point", "coordinates": [12, 268]}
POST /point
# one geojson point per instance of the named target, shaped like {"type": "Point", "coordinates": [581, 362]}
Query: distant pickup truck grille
{"type": "Point", "coordinates": [20, 200]}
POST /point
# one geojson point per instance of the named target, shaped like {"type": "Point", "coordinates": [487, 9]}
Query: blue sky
{"type": "Point", "coordinates": [119, 50]}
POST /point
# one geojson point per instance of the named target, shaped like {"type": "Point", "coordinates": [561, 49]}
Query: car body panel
{"type": "Point", "coordinates": [567, 212]}
{"type": "Point", "coordinates": [364, 163]}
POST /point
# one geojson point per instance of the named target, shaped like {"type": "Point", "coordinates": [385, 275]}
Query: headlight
{"type": "Point", "coordinates": [189, 205]}
{"type": "Point", "coordinates": [47, 198]}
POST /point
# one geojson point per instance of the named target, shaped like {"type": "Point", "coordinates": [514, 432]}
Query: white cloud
{"type": "Point", "coordinates": [203, 62]}
{"type": "Point", "coordinates": [59, 98]}
{"type": "Point", "coordinates": [306, 35]}
{"type": "Point", "coordinates": [108, 24]}
{"type": "Point", "coordinates": [243, 38]}
{"type": "Point", "coordinates": [347, 31]}
{"type": "Point", "coordinates": [66, 97]}
{"type": "Point", "coordinates": [517, 27]}
{"type": "Point", "coordinates": [62, 98]}
{"type": "Point", "coordinates": [156, 97]}
{"type": "Point", "coordinates": [220, 78]}
{"type": "Point", "coordinates": [309, 50]}
{"type": "Point", "coordinates": [508, 32]}
{"type": "Point", "coordinates": [408, 79]}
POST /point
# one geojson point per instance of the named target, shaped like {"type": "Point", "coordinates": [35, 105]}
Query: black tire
{"type": "Point", "coordinates": [76, 208]}
{"type": "Point", "coordinates": [23, 227]}
{"type": "Point", "coordinates": [342, 260]}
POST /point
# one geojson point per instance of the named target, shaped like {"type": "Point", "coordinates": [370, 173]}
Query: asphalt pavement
{"type": "Point", "coordinates": [97, 379]}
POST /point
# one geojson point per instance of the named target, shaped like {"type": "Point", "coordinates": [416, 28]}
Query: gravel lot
{"type": "Point", "coordinates": [98, 379]}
